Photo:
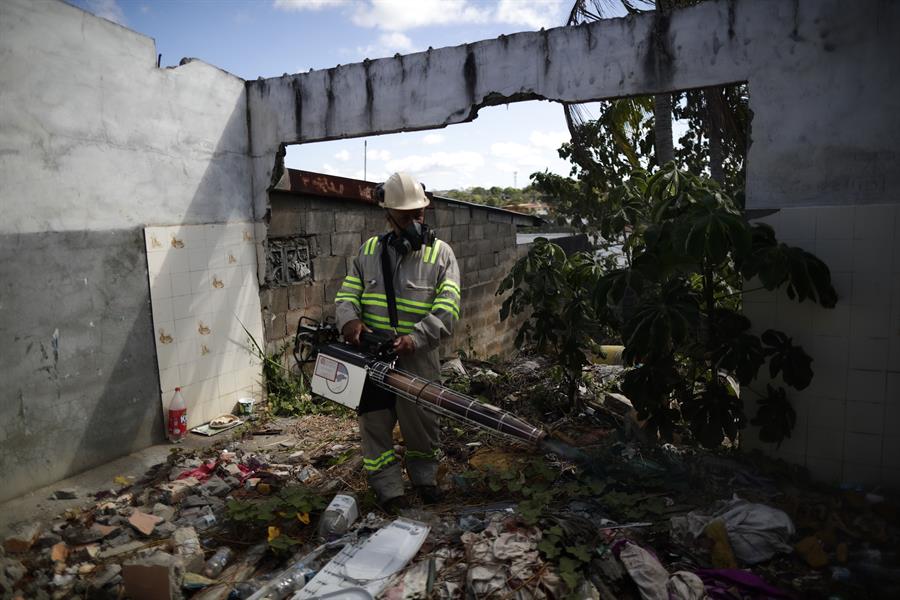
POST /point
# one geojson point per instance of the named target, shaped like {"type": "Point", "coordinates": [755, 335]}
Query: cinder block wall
{"type": "Point", "coordinates": [484, 242]}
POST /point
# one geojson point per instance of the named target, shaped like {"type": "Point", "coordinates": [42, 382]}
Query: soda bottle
{"type": "Point", "coordinates": [216, 564]}
{"type": "Point", "coordinates": [338, 517]}
{"type": "Point", "coordinates": [177, 421]}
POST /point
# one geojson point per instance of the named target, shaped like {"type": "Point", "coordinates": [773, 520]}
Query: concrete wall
{"type": "Point", "coordinates": [95, 143]}
{"type": "Point", "coordinates": [483, 240]}
{"type": "Point", "coordinates": [823, 86]}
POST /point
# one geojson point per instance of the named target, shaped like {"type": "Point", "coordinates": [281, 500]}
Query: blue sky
{"type": "Point", "coordinates": [266, 38]}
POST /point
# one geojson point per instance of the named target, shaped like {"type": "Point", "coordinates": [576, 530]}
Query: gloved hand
{"type": "Point", "coordinates": [404, 345]}
{"type": "Point", "coordinates": [352, 330]}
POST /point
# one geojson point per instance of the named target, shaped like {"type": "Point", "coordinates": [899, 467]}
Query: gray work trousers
{"type": "Point", "coordinates": [420, 433]}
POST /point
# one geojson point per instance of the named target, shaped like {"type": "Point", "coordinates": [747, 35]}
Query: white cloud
{"type": "Point", "coordinates": [534, 14]}
{"type": "Point", "coordinates": [521, 154]}
{"type": "Point", "coordinates": [343, 155]}
{"type": "Point", "coordinates": [374, 154]}
{"type": "Point", "coordinates": [432, 139]}
{"type": "Point", "coordinates": [551, 140]}
{"type": "Point", "coordinates": [108, 9]}
{"type": "Point", "coordinates": [401, 15]}
{"type": "Point", "coordinates": [388, 44]}
{"type": "Point", "coordinates": [298, 5]}
{"type": "Point", "coordinates": [438, 163]}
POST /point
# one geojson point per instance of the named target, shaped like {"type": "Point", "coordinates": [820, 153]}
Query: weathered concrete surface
{"type": "Point", "coordinates": [95, 143]}
{"type": "Point", "coordinates": [822, 88]}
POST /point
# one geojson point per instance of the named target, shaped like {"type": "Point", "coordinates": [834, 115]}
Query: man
{"type": "Point", "coordinates": [425, 284]}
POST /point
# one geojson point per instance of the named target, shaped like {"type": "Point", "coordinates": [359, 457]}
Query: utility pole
{"type": "Point", "coordinates": [365, 152]}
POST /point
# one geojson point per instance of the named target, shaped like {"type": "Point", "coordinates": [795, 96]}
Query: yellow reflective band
{"type": "Point", "coordinates": [352, 279]}
{"type": "Point", "coordinates": [420, 455]}
{"type": "Point", "coordinates": [434, 252]}
{"type": "Point", "coordinates": [348, 295]}
{"type": "Point", "coordinates": [400, 301]}
{"type": "Point", "coordinates": [372, 323]}
{"type": "Point", "coordinates": [370, 245]}
{"type": "Point", "coordinates": [387, 320]}
{"type": "Point", "coordinates": [446, 307]}
{"type": "Point", "coordinates": [349, 299]}
{"type": "Point", "coordinates": [380, 462]}
{"type": "Point", "coordinates": [352, 286]}
{"type": "Point", "coordinates": [448, 285]}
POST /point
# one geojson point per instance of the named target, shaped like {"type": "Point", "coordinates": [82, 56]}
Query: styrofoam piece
{"type": "Point", "coordinates": [368, 564]}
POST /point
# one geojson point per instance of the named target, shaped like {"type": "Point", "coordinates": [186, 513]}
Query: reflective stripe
{"type": "Point", "coordinates": [401, 302]}
{"type": "Point", "coordinates": [352, 279]}
{"type": "Point", "coordinates": [431, 252]}
{"type": "Point", "coordinates": [421, 455]}
{"type": "Point", "coordinates": [387, 320]}
{"type": "Point", "coordinates": [347, 298]}
{"type": "Point", "coordinates": [367, 319]}
{"type": "Point", "coordinates": [369, 248]}
{"type": "Point", "coordinates": [448, 308]}
{"type": "Point", "coordinates": [448, 284]}
{"type": "Point", "coordinates": [379, 463]}
{"type": "Point", "coordinates": [352, 286]}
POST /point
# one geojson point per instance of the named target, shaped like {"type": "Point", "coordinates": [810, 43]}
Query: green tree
{"type": "Point", "coordinates": [675, 305]}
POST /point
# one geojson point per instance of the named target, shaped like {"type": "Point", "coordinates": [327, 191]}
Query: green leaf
{"type": "Point", "coordinates": [581, 552]}
{"type": "Point", "coordinates": [775, 416]}
{"type": "Point", "coordinates": [794, 364]}
{"type": "Point", "coordinates": [549, 547]}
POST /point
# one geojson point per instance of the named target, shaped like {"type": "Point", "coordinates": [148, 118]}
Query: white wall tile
{"type": "Point", "coordinates": [186, 329]}
{"type": "Point", "coordinates": [160, 285]}
{"type": "Point", "coordinates": [866, 386]}
{"type": "Point", "coordinates": [168, 380]}
{"type": "Point", "coordinates": [827, 413]}
{"type": "Point", "coordinates": [874, 221]}
{"type": "Point", "coordinates": [181, 284]}
{"type": "Point", "coordinates": [177, 260]}
{"type": "Point", "coordinates": [871, 289]}
{"type": "Point", "coordinates": [823, 469]}
{"type": "Point", "coordinates": [862, 448]}
{"type": "Point", "coordinates": [865, 417]}
{"type": "Point", "coordinates": [200, 258]}
{"type": "Point", "coordinates": [891, 449]}
{"type": "Point", "coordinates": [825, 443]}
{"type": "Point", "coordinates": [834, 222]}
{"type": "Point", "coordinates": [155, 240]}
{"type": "Point", "coordinates": [890, 478]}
{"type": "Point", "coordinates": [872, 256]}
{"type": "Point", "coordinates": [862, 474]}
{"type": "Point", "coordinates": [868, 353]}
{"type": "Point", "coordinates": [797, 224]}
{"type": "Point", "coordinates": [162, 309]}
{"type": "Point", "coordinates": [200, 282]}
{"type": "Point", "coordinates": [166, 354]}
{"type": "Point", "coordinates": [831, 321]}
{"type": "Point", "coordinates": [837, 254]}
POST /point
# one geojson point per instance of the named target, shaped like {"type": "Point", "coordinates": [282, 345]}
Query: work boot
{"type": "Point", "coordinates": [430, 494]}
{"type": "Point", "coordinates": [393, 506]}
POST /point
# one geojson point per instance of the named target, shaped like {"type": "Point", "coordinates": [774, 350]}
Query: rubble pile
{"type": "Point", "coordinates": [633, 520]}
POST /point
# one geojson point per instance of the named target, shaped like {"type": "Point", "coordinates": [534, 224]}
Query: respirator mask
{"type": "Point", "coordinates": [411, 238]}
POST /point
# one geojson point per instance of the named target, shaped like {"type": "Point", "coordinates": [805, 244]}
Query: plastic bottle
{"type": "Point", "coordinates": [216, 564]}
{"type": "Point", "coordinates": [340, 514]}
{"type": "Point", "coordinates": [177, 421]}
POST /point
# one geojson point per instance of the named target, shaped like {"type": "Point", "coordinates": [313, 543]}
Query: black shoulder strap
{"type": "Point", "coordinates": [388, 277]}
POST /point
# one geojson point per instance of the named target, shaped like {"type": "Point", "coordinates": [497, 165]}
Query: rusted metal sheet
{"type": "Point", "coordinates": [331, 186]}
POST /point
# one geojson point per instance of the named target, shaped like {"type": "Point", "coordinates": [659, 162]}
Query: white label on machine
{"type": "Point", "coordinates": [338, 381]}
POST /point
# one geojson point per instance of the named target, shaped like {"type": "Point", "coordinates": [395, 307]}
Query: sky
{"type": "Point", "coordinates": [267, 38]}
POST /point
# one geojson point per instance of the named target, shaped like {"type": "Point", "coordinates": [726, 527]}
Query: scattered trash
{"type": "Point", "coordinates": [340, 514]}
{"type": "Point", "coordinates": [756, 532]}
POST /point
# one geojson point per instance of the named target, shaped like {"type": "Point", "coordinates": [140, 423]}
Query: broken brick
{"type": "Point", "coordinates": [59, 552]}
{"type": "Point", "coordinates": [156, 577]}
{"type": "Point", "coordinates": [22, 538]}
{"type": "Point", "coordinates": [143, 522]}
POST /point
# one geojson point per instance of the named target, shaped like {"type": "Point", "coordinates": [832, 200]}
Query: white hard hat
{"type": "Point", "coordinates": [402, 192]}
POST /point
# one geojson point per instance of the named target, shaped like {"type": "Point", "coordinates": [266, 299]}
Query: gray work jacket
{"type": "Point", "coordinates": [426, 285]}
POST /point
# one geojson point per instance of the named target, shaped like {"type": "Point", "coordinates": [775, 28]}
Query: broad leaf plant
{"type": "Point", "coordinates": [674, 302]}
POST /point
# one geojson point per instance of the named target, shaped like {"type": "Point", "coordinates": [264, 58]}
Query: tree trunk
{"type": "Point", "coordinates": [662, 127]}
{"type": "Point", "coordinates": [714, 107]}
